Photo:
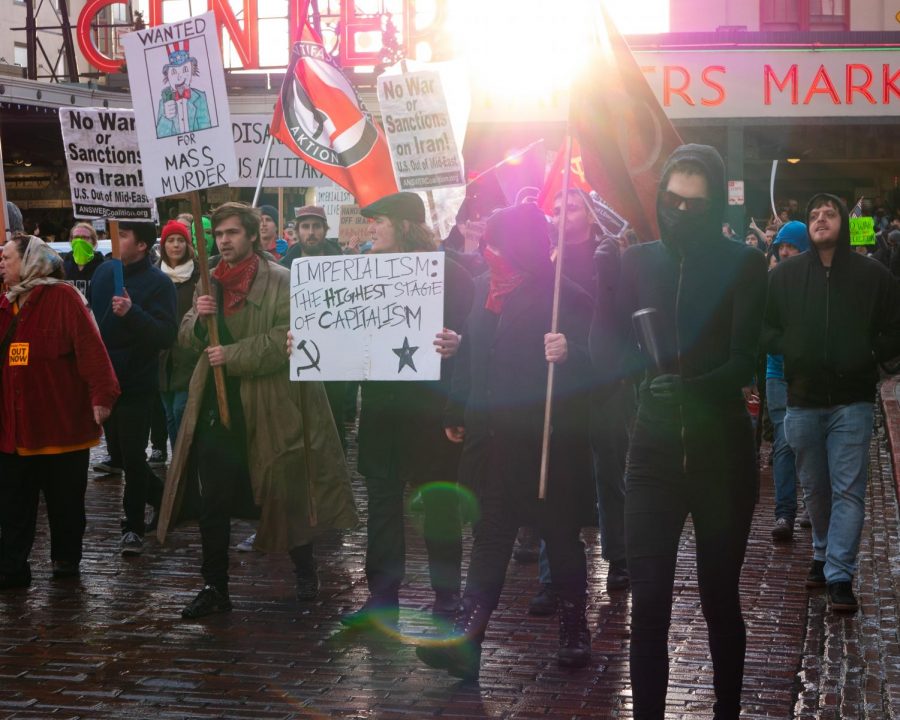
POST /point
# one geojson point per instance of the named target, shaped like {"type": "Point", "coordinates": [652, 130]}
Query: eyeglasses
{"type": "Point", "coordinates": [674, 201]}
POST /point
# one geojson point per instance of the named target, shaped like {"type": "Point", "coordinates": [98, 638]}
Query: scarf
{"type": "Point", "coordinates": [179, 273]}
{"type": "Point", "coordinates": [504, 279]}
{"type": "Point", "coordinates": [236, 282]}
{"type": "Point", "coordinates": [38, 262]}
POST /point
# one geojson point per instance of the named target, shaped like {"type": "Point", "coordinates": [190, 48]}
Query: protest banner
{"type": "Point", "coordinates": [367, 317]}
{"type": "Point", "coordinates": [181, 106]}
{"type": "Point", "coordinates": [420, 136]}
{"type": "Point", "coordinates": [353, 229]}
{"type": "Point", "coordinates": [104, 163]}
{"type": "Point", "coordinates": [862, 231]}
{"type": "Point", "coordinates": [331, 199]}
{"type": "Point", "coordinates": [283, 168]}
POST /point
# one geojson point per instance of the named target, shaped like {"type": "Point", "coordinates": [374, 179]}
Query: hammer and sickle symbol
{"type": "Point", "coordinates": [313, 356]}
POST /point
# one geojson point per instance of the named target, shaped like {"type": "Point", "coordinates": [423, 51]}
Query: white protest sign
{"type": "Point", "coordinates": [181, 106]}
{"type": "Point", "coordinates": [104, 163]}
{"type": "Point", "coordinates": [419, 131]}
{"type": "Point", "coordinates": [367, 317]}
{"type": "Point", "coordinates": [284, 169]}
{"type": "Point", "coordinates": [331, 199]}
{"type": "Point", "coordinates": [354, 228]}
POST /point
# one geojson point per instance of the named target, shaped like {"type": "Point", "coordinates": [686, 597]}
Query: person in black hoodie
{"type": "Point", "coordinates": [80, 264]}
{"type": "Point", "coordinates": [692, 447]}
{"type": "Point", "coordinates": [833, 314]}
{"type": "Point", "coordinates": [135, 327]}
{"type": "Point", "coordinates": [496, 410]}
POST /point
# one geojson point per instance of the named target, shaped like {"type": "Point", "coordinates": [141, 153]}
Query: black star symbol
{"type": "Point", "coordinates": [405, 354]}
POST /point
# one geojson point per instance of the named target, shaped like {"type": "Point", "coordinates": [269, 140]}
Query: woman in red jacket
{"type": "Point", "coordinates": [56, 387]}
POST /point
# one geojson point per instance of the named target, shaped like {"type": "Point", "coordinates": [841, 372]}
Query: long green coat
{"type": "Point", "coordinates": [271, 406]}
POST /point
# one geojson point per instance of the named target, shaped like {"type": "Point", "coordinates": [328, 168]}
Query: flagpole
{"type": "Point", "coordinates": [554, 319]}
{"type": "Point", "coordinates": [262, 170]}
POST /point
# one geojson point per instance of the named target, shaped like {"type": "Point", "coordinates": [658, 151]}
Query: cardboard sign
{"type": "Point", "coordinates": [862, 231]}
{"type": "Point", "coordinates": [353, 230]}
{"type": "Point", "coordinates": [332, 199]}
{"type": "Point", "coordinates": [181, 106]}
{"type": "Point", "coordinates": [420, 136]}
{"type": "Point", "coordinates": [284, 169]}
{"type": "Point", "coordinates": [104, 162]}
{"type": "Point", "coordinates": [735, 192]}
{"type": "Point", "coordinates": [367, 317]}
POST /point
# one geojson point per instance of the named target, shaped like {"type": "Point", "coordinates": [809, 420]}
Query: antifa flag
{"type": "Point", "coordinates": [624, 135]}
{"type": "Point", "coordinates": [553, 184]}
{"type": "Point", "coordinates": [321, 119]}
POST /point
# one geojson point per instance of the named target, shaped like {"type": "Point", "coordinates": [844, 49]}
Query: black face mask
{"type": "Point", "coordinates": [683, 229]}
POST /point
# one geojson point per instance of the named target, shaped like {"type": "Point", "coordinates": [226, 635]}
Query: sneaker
{"type": "Point", "coordinates": [841, 596]}
{"type": "Point", "coordinates": [783, 530]}
{"type": "Point", "coordinates": [66, 569]}
{"type": "Point", "coordinates": [375, 614]}
{"type": "Point", "coordinates": [108, 467]}
{"type": "Point", "coordinates": [544, 603]}
{"type": "Point", "coordinates": [132, 544]}
{"type": "Point", "coordinates": [617, 577]}
{"type": "Point", "coordinates": [246, 545]}
{"type": "Point", "coordinates": [209, 600]}
{"type": "Point", "coordinates": [804, 521]}
{"type": "Point", "coordinates": [158, 458]}
{"type": "Point", "coordinates": [816, 577]}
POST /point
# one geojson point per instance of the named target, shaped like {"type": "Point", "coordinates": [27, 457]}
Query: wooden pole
{"type": "Point", "coordinates": [554, 320]}
{"type": "Point", "coordinates": [212, 326]}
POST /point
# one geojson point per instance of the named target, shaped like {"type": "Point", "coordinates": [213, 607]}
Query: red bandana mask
{"type": "Point", "coordinates": [504, 279]}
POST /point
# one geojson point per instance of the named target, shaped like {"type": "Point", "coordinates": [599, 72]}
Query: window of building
{"type": "Point", "coordinates": [20, 55]}
{"type": "Point", "coordinates": [787, 15]}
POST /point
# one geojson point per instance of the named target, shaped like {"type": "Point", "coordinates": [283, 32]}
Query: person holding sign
{"type": "Point", "coordinates": [496, 411]}
{"type": "Point", "coordinates": [401, 439]}
{"type": "Point", "coordinates": [58, 387]}
{"type": "Point", "coordinates": [259, 459]}
{"type": "Point", "coordinates": [832, 314]}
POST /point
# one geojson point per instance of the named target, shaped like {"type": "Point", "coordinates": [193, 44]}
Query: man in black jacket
{"type": "Point", "coordinates": [135, 327]}
{"type": "Point", "coordinates": [832, 314]}
{"type": "Point", "coordinates": [692, 447]}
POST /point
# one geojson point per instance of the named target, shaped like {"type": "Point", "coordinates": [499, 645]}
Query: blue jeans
{"type": "Point", "coordinates": [832, 449]}
{"type": "Point", "coordinates": [174, 403]}
{"type": "Point", "coordinates": [784, 470]}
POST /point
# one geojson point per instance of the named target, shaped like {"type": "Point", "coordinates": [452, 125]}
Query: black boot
{"type": "Point", "coordinates": [460, 652]}
{"type": "Point", "coordinates": [306, 572]}
{"type": "Point", "coordinates": [574, 636]}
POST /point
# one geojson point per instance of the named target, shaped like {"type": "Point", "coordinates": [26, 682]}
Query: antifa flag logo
{"type": "Point", "coordinates": [333, 129]}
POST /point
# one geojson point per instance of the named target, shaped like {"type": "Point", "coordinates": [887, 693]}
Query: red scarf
{"type": "Point", "coordinates": [504, 279]}
{"type": "Point", "coordinates": [236, 282]}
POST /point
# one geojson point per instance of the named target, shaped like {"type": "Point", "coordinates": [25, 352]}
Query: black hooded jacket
{"type": "Point", "coordinates": [832, 324]}
{"type": "Point", "coordinates": [709, 294]}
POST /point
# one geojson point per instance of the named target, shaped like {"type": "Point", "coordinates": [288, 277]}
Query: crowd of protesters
{"type": "Point", "coordinates": [659, 346]}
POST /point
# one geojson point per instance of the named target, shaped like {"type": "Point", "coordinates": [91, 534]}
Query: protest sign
{"type": "Point", "coordinates": [331, 199]}
{"type": "Point", "coordinates": [420, 136]}
{"type": "Point", "coordinates": [354, 228]}
{"type": "Point", "coordinates": [284, 168]}
{"type": "Point", "coordinates": [367, 317]}
{"type": "Point", "coordinates": [862, 231]}
{"type": "Point", "coordinates": [104, 162]}
{"type": "Point", "coordinates": [181, 106]}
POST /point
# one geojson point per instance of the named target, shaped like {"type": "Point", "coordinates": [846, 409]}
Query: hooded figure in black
{"type": "Point", "coordinates": [497, 410]}
{"type": "Point", "coordinates": [692, 449]}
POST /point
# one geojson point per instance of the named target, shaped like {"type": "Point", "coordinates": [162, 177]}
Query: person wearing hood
{"type": "Point", "coordinates": [692, 446]}
{"type": "Point", "coordinates": [496, 410]}
{"type": "Point", "coordinates": [80, 264]}
{"type": "Point", "coordinates": [832, 314]}
{"type": "Point", "coordinates": [791, 240]}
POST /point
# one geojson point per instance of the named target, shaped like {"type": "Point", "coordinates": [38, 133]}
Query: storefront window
{"type": "Point", "coordinates": [787, 15]}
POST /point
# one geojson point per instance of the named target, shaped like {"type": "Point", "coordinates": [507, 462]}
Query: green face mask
{"type": "Point", "coordinates": [82, 251]}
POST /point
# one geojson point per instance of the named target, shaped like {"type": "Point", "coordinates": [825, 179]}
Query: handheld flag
{"type": "Point", "coordinates": [553, 183]}
{"type": "Point", "coordinates": [320, 117]}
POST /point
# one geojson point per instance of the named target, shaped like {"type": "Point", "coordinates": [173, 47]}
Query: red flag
{"type": "Point", "coordinates": [553, 183]}
{"type": "Point", "coordinates": [320, 117]}
{"type": "Point", "coordinates": [624, 134]}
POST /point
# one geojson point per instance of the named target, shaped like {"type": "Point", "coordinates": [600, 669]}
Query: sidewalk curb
{"type": "Point", "coordinates": [891, 407]}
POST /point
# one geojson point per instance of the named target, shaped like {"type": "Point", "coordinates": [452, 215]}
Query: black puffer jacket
{"type": "Point", "coordinates": [832, 324]}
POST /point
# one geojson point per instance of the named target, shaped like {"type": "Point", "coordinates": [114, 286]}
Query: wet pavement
{"type": "Point", "coordinates": [112, 644]}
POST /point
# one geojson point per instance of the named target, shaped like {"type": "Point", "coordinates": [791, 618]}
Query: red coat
{"type": "Point", "coordinates": [55, 371]}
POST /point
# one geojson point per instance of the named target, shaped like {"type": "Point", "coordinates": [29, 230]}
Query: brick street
{"type": "Point", "coordinates": [112, 644]}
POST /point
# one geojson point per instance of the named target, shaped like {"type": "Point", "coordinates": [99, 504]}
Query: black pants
{"type": "Point", "coordinates": [159, 431]}
{"type": "Point", "coordinates": [63, 480]}
{"type": "Point", "coordinates": [719, 492]}
{"type": "Point", "coordinates": [495, 534]}
{"type": "Point", "coordinates": [130, 419]}
{"type": "Point", "coordinates": [386, 542]}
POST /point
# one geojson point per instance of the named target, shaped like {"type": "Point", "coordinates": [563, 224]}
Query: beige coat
{"type": "Point", "coordinates": [271, 406]}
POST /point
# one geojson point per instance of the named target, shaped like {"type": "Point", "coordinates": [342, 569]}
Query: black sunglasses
{"type": "Point", "coordinates": [673, 201]}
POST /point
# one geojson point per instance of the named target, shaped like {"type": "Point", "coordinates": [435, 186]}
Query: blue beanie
{"type": "Point", "coordinates": [793, 233]}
